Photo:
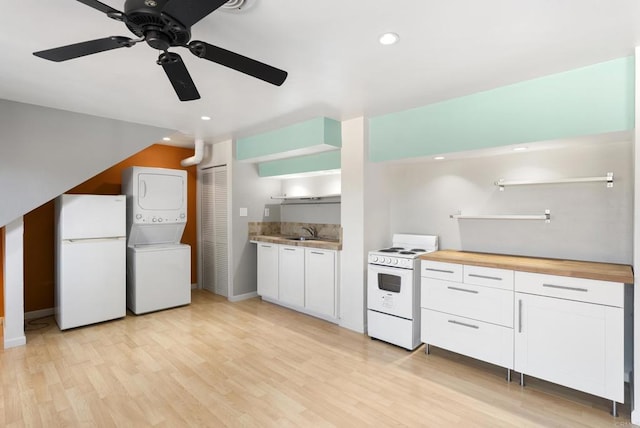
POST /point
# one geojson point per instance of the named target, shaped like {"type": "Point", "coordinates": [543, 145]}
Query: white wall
{"type": "Point", "coordinates": [44, 152]}
{"type": "Point", "coordinates": [14, 285]}
{"type": "Point", "coordinates": [252, 192]}
{"type": "Point", "coordinates": [635, 413]}
{"type": "Point", "coordinates": [365, 220]}
{"type": "Point", "coordinates": [588, 220]}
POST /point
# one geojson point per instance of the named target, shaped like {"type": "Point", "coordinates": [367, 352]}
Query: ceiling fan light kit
{"type": "Point", "coordinates": [164, 24]}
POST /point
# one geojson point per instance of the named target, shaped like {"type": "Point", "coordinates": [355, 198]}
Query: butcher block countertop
{"type": "Point", "coordinates": [578, 269]}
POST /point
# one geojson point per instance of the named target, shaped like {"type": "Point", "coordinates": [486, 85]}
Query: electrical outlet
{"type": "Point", "coordinates": [266, 212]}
{"type": "Point", "coordinates": [244, 212]}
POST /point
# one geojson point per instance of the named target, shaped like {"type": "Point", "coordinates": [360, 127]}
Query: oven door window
{"type": "Point", "coordinates": [388, 282]}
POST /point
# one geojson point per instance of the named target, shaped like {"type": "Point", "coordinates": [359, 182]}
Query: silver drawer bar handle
{"type": "Point", "coordinates": [463, 289]}
{"type": "Point", "coordinates": [463, 324]}
{"type": "Point", "coordinates": [475, 275]}
{"type": "Point", "coordinates": [266, 246]}
{"type": "Point", "coordinates": [564, 287]}
{"type": "Point", "coordinates": [439, 270]}
{"type": "Point", "coordinates": [519, 316]}
{"type": "Point", "coordinates": [315, 252]}
{"type": "Point", "coordinates": [289, 249]}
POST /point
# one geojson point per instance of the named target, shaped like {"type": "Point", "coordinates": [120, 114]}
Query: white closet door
{"type": "Point", "coordinates": [214, 230]}
{"type": "Point", "coordinates": [220, 231]}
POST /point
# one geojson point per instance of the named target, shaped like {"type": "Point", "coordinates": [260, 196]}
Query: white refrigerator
{"type": "Point", "coordinates": [90, 259]}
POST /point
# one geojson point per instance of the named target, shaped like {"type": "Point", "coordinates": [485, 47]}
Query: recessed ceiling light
{"type": "Point", "coordinates": [389, 38]}
{"type": "Point", "coordinates": [439, 157]}
{"type": "Point", "coordinates": [205, 118]}
{"type": "Point", "coordinates": [519, 149]}
{"type": "Point", "coordinates": [166, 139]}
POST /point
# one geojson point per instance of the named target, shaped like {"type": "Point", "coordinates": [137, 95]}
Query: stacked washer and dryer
{"type": "Point", "coordinates": [158, 265]}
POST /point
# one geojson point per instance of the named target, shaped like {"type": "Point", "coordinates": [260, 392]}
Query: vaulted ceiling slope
{"type": "Point", "coordinates": [330, 49]}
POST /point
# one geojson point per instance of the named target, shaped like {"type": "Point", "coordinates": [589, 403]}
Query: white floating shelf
{"type": "Point", "coordinates": [502, 183]}
{"type": "Point", "coordinates": [304, 198]}
{"type": "Point", "coordinates": [546, 217]}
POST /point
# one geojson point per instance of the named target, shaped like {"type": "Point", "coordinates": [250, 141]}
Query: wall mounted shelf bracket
{"type": "Point", "coordinates": [546, 217]}
{"type": "Point", "coordinates": [502, 183]}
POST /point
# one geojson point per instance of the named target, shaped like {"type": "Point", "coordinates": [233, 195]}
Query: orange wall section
{"type": "Point", "coordinates": [39, 224]}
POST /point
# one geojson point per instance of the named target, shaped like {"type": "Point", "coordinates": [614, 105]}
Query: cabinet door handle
{"type": "Point", "coordinates": [475, 275]}
{"type": "Point", "coordinates": [463, 289]}
{"type": "Point", "coordinates": [564, 287]}
{"type": "Point", "coordinates": [289, 249]}
{"type": "Point", "coordinates": [439, 270]}
{"type": "Point", "coordinates": [463, 324]}
{"type": "Point", "coordinates": [519, 315]}
{"type": "Point", "coordinates": [265, 246]}
{"type": "Point", "coordinates": [315, 252]}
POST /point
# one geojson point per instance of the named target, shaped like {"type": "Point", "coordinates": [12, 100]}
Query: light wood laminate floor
{"type": "Point", "coordinates": [215, 364]}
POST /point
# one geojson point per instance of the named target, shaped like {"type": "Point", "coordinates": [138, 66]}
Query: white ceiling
{"type": "Point", "coordinates": [330, 48]}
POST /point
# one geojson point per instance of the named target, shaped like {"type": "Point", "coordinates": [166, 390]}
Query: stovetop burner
{"type": "Point", "coordinates": [389, 250]}
{"type": "Point", "coordinates": [418, 250]}
{"type": "Point", "coordinates": [407, 252]}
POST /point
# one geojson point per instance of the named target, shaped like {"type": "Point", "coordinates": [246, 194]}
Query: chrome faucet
{"type": "Point", "coordinates": [312, 231]}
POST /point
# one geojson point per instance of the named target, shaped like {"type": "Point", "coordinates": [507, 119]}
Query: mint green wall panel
{"type": "Point", "coordinates": [585, 101]}
{"type": "Point", "coordinates": [316, 162]}
{"type": "Point", "coordinates": [308, 134]}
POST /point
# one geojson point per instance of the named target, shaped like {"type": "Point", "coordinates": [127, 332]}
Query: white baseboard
{"type": "Point", "coordinates": [41, 313]}
{"type": "Point", "coordinates": [14, 342]}
{"type": "Point", "coordinates": [243, 297]}
{"type": "Point", "coordinates": [635, 417]}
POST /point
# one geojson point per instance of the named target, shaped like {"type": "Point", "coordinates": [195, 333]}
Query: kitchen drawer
{"type": "Point", "coordinates": [489, 277]}
{"type": "Point", "coordinates": [565, 287]}
{"type": "Point", "coordinates": [487, 342]}
{"type": "Point", "coordinates": [486, 304]}
{"type": "Point", "coordinates": [441, 270]}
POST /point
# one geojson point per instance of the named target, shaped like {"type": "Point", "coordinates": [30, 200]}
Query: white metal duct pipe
{"type": "Point", "coordinates": [197, 156]}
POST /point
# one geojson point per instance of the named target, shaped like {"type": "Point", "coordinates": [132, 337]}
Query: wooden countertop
{"type": "Point", "coordinates": [579, 269]}
{"type": "Point", "coordinates": [324, 244]}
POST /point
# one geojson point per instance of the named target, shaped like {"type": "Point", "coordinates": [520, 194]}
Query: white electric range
{"type": "Point", "coordinates": [393, 289]}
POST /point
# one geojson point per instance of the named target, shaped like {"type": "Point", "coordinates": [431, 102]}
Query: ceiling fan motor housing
{"type": "Point", "coordinates": [145, 19]}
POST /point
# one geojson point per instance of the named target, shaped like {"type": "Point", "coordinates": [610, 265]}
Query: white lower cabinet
{"type": "Point", "coordinates": [301, 278]}
{"type": "Point", "coordinates": [268, 270]}
{"type": "Point", "coordinates": [291, 275]}
{"type": "Point", "coordinates": [483, 341]}
{"type": "Point", "coordinates": [320, 281]}
{"type": "Point", "coordinates": [468, 310]}
{"type": "Point", "coordinates": [566, 330]}
{"type": "Point", "coordinates": [567, 341]}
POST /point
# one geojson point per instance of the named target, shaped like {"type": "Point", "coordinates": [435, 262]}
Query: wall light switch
{"type": "Point", "coordinates": [266, 212]}
{"type": "Point", "coordinates": [244, 212]}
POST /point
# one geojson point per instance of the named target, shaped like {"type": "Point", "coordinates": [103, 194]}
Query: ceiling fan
{"type": "Point", "coordinates": [164, 24]}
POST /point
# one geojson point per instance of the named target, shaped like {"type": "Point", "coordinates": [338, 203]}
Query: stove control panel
{"type": "Point", "coordinates": [391, 261]}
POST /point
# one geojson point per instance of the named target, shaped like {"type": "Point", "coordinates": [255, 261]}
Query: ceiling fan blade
{"type": "Point", "coordinates": [188, 12]}
{"type": "Point", "coordinates": [238, 62]}
{"type": "Point", "coordinates": [179, 76]}
{"type": "Point", "coordinates": [77, 50]}
{"type": "Point", "coordinates": [100, 6]}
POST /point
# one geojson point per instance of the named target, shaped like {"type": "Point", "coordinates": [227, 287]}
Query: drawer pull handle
{"type": "Point", "coordinates": [519, 316]}
{"type": "Point", "coordinates": [439, 270]}
{"type": "Point", "coordinates": [463, 324]}
{"type": "Point", "coordinates": [289, 249]}
{"type": "Point", "coordinates": [475, 275]}
{"type": "Point", "coordinates": [265, 246]}
{"type": "Point", "coordinates": [564, 287]}
{"type": "Point", "coordinates": [463, 289]}
{"type": "Point", "coordinates": [315, 252]}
